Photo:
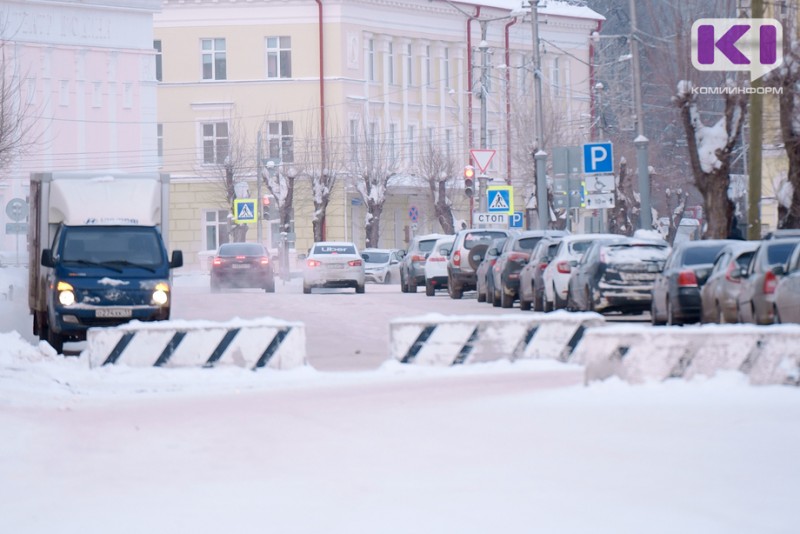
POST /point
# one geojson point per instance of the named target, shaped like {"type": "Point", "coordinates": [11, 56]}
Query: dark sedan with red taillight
{"type": "Point", "coordinates": [676, 291]}
{"type": "Point", "coordinates": [242, 265]}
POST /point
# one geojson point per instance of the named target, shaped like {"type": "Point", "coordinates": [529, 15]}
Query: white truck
{"type": "Point", "coordinates": [98, 252]}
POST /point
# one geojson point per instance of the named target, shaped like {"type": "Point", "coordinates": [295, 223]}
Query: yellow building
{"type": "Point", "coordinates": [407, 74]}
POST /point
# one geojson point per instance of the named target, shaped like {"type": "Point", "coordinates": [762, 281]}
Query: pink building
{"type": "Point", "coordinates": [86, 79]}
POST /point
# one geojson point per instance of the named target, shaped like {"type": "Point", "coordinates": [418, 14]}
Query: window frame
{"type": "Point", "coordinates": [215, 56]}
{"type": "Point", "coordinates": [282, 55]}
{"type": "Point", "coordinates": [215, 140]}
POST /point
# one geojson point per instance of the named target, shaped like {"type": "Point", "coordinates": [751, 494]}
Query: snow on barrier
{"type": "Point", "coordinates": [456, 339]}
{"type": "Point", "coordinates": [242, 343]}
{"type": "Point", "coordinates": [637, 353]}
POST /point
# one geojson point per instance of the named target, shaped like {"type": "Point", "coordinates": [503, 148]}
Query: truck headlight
{"type": "Point", "coordinates": [66, 294]}
{"type": "Point", "coordinates": [161, 293]}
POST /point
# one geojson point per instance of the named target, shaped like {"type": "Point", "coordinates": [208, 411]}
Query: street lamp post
{"type": "Point", "coordinates": [540, 155]}
{"type": "Point", "coordinates": [483, 180]}
{"type": "Point", "coordinates": [641, 142]}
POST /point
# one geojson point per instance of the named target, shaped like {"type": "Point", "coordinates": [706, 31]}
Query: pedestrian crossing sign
{"type": "Point", "coordinates": [500, 199]}
{"type": "Point", "coordinates": [244, 210]}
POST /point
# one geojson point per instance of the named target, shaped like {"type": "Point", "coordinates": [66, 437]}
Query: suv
{"type": "Point", "coordinates": [412, 268]}
{"type": "Point", "coordinates": [467, 253]}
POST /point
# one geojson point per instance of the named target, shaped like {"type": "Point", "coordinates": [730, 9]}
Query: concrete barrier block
{"type": "Point", "coordinates": [450, 340]}
{"type": "Point", "coordinates": [243, 343]}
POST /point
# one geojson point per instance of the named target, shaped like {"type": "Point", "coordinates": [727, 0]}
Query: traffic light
{"type": "Point", "coordinates": [469, 181]}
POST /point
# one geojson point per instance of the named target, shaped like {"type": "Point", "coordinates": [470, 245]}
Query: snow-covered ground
{"type": "Point", "coordinates": [495, 447]}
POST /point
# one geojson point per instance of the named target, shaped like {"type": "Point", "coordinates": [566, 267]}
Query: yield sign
{"type": "Point", "coordinates": [482, 157]}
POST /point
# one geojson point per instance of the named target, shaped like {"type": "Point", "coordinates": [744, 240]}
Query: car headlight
{"type": "Point", "coordinates": [161, 293]}
{"type": "Point", "coordinates": [66, 294]}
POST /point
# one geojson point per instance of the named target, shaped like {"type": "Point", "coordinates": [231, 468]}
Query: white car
{"type": "Point", "coordinates": [436, 265]}
{"type": "Point", "coordinates": [557, 273]}
{"type": "Point", "coordinates": [334, 264]}
{"type": "Point", "coordinates": [382, 265]}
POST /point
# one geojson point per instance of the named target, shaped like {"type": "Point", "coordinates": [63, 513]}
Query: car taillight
{"type": "Point", "coordinates": [518, 257]}
{"type": "Point", "coordinates": [417, 258]}
{"type": "Point", "coordinates": [770, 283]}
{"type": "Point", "coordinates": [543, 266]}
{"type": "Point", "coordinates": [457, 258]}
{"type": "Point", "coordinates": [217, 261]}
{"type": "Point", "coordinates": [563, 267]}
{"type": "Point", "coordinates": [240, 257]}
{"type": "Point", "coordinates": [313, 263]}
{"type": "Point", "coordinates": [264, 260]}
{"type": "Point", "coordinates": [687, 279]}
{"type": "Point", "coordinates": [354, 263]}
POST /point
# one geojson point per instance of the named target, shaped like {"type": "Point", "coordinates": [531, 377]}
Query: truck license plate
{"type": "Point", "coordinates": [113, 312]}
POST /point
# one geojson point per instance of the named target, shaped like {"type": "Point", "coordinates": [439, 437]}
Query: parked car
{"type": "Point", "coordinates": [436, 265]}
{"type": "Point", "coordinates": [718, 295]}
{"type": "Point", "coordinates": [676, 291]}
{"type": "Point", "coordinates": [469, 248]}
{"type": "Point", "coordinates": [617, 275]}
{"type": "Point", "coordinates": [531, 281]}
{"type": "Point", "coordinates": [515, 254]}
{"type": "Point", "coordinates": [484, 273]}
{"type": "Point", "coordinates": [557, 273]}
{"type": "Point", "coordinates": [382, 265]}
{"type": "Point", "coordinates": [756, 298]}
{"type": "Point", "coordinates": [787, 294]}
{"type": "Point", "coordinates": [412, 266]}
{"type": "Point", "coordinates": [334, 264]}
{"type": "Point", "coordinates": [242, 265]}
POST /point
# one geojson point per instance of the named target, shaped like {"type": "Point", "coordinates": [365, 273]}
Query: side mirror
{"type": "Point", "coordinates": [394, 261]}
{"type": "Point", "coordinates": [47, 258]}
{"type": "Point", "coordinates": [779, 270]}
{"type": "Point", "coordinates": [365, 257]}
{"type": "Point", "coordinates": [177, 259]}
{"type": "Point", "coordinates": [444, 251]}
{"type": "Point", "coordinates": [401, 254]}
{"type": "Point", "coordinates": [742, 272]}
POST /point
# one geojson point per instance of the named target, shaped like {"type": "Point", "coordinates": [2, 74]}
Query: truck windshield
{"type": "Point", "coordinates": [112, 244]}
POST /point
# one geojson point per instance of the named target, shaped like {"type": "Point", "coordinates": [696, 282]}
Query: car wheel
{"type": "Point", "coordinates": [270, 287]}
{"type": "Point", "coordinates": [429, 289]}
{"type": "Point", "coordinates": [537, 302]}
{"type": "Point", "coordinates": [654, 320]}
{"type": "Point", "coordinates": [495, 299]}
{"type": "Point", "coordinates": [546, 306]}
{"type": "Point", "coordinates": [524, 305]}
{"type": "Point", "coordinates": [671, 321]}
{"type": "Point", "coordinates": [388, 279]}
{"type": "Point", "coordinates": [360, 288]}
{"type": "Point", "coordinates": [306, 289]}
{"type": "Point", "coordinates": [506, 300]}
{"type": "Point", "coordinates": [412, 285]}
{"type": "Point", "coordinates": [55, 340]}
{"type": "Point", "coordinates": [558, 303]}
{"type": "Point", "coordinates": [481, 296]}
{"type": "Point", "coordinates": [403, 286]}
{"type": "Point", "coordinates": [455, 292]}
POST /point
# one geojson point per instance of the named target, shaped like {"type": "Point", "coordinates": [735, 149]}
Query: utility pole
{"type": "Point", "coordinates": [260, 201]}
{"type": "Point", "coordinates": [641, 142]}
{"type": "Point", "coordinates": [754, 161]}
{"type": "Point", "coordinates": [540, 156]}
{"type": "Point", "coordinates": [483, 180]}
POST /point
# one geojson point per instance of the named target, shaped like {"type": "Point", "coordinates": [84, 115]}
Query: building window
{"type": "Point", "coordinates": [390, 63]}
{"type": "Point", "coordinates": [160, 141]}
{"type": "Point", "coordinates": [448, 143]}
{"type": "Point", "coordinates": [159, 74]}
{"type": "Point", "coordinates": [410, 145]}
{"type": "Point", "coordinates": [214, 59]}
{"type": "Point", "coordinates": [280, 137]}
{"type": "Point", "coordinates": [353, 140]}
{"type": "Point", "coordinates": [279, 57]}
{"type": "Point", "coordinates": [63, 93]}
{"type": "Point", "coordinates": [555, 75]}
{"type": "Point", "coordinates": [409, 67]}
{"type": "Point", "coordinates": [216, 228]}
{"type": "Point", "coordinates": [215, 143]}
{"type": "Point", "coordinates": [97, 94]}
{"type": "Point", "coordinates": [371, 61]}
{"type": "Point", "coordinates": [428, 65]}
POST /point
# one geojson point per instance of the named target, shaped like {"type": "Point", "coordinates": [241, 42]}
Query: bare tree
{"type": "Point", "coordinates": [321, 161]}
{"type": "Point", "coordinates": [710, 155]}
{"type": "Point", "coordinates": [230, 163]}
{"type": "Point", "coordinates": [676, 205]}
{"type": "Point", "coordinates": [787, 78]}
{"type": "Point", "coordinates": [18, 133]}
{"type": "Point", "coordinates": [624, 217]}
{"type": "Point", "coordinates": [439, 170]}
{"type": "Point", "coordinates": [373, 165]}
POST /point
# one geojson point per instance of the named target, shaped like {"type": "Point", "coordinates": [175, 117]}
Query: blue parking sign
{"type": "Point", "coordinates": [598, 158]}
{"type": "Point", "coordinates": [515, 221]}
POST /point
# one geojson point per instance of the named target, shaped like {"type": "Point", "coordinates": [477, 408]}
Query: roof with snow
{"type": "Point", "coordinates": [562, 8]}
